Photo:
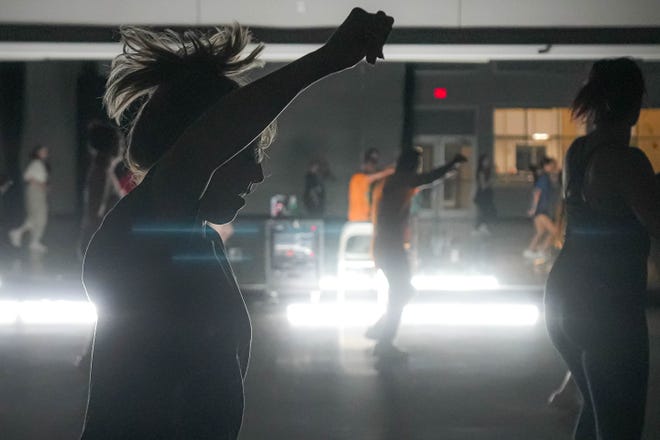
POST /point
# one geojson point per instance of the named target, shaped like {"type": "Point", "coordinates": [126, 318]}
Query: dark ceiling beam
{"type": "Point", "coordinates": [522, 35]}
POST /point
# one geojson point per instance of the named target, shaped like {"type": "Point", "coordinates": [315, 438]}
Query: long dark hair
{"type": "Point", "coordinates": [163, 81]}
{"type": "Point", "coordinates": [487, 170]}
{"type": "Point", "coordinates": [613, 92]}
{"type": "Point", "coordinates": [34, 155]}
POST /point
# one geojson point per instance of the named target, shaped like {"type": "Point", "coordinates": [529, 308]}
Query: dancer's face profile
{"type": "Point", "coordinates": [42, 153]}
{"type": "Point", "coordinates": [230, 184]}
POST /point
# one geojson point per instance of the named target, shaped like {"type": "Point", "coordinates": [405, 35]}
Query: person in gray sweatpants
{"type": "Point", "coordinates": [36, 202]}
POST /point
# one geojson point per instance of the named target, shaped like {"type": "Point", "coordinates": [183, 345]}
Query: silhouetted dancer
{"type": "Point", "coordinates": [103, 141]}
{"type": "Point", "coordinates": [484, 196]}
{"type": "Point", "coordinates": [314, 192]}
{"type": "Point", "coordinates": [36, 178]}
{"type": "Point", "coordinates": [173, 335]}
{"type": "Point", "coordinates": [595, 294]}
{"type": "Point", "coordinates": [544, 210]}
{"type": "Point", "coordinates": [389, 243]}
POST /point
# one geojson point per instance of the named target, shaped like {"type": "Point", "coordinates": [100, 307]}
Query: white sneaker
{"type": "Point", "coordinates": [38, 248]}
{"type": "Point", "coordinates": [15, 236]}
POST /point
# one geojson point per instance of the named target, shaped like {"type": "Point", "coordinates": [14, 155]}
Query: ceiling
{"type": "Point", "coordinates": [319, 13]}
{"type": "Point", "coordinates": [425, 30]}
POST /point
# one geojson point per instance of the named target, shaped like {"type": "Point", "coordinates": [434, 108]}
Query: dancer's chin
{"type": "Point", "coordinates": [227, 212]}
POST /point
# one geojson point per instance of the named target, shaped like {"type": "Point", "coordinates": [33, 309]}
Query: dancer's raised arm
{"type": "Point", "coordinates": [439, 172]}
{"type": "Point", "coordinates": [238, 118]}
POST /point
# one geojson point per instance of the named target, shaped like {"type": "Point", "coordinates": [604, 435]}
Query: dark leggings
{"type": "Point", "coordinates": [486, 211]}
{"type": "Point", "coordinates": [394, 263]}
{"type": "Point", "coordinates": [604, 342]}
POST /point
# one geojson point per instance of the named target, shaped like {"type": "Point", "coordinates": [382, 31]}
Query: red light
{"type": "Point", "coordinates": [313, 228]}
{"type": "Point", "coordinates": [440, 93]}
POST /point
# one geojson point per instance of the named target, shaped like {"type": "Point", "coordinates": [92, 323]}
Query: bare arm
{"type": "Point", "coordinates": [438, 173]}
{"type": "Point", "coordinates": [238, 118]}
{"type": "Point", "coordinates": [380, 174]}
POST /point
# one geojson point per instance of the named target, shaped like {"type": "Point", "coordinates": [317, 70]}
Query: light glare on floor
{"type": "Point", "coordinates": [47, 312]}
{"type": "Point", "coordinates": [438, 283]}
{"type": "Point", "coordinates": [340, 314]}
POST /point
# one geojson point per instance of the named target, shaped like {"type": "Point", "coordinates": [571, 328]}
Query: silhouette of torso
{"type": "Point", "coordinates": [171, 319]}
{"type": "Point", "coordinates": [606, 249]}
{"type": "Point", "coordinates": [393, 214]}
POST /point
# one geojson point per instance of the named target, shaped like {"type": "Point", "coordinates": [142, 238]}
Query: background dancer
{"type": "Point", "coordinates": [389, 244]}
{"type": "Point", "coordinates": [595, 295]}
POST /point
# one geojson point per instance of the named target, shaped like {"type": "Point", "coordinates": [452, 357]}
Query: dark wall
{"type": "Point", "coordinates": [50, 119]}
{"type": "Point", "coordinates": [482, 87]}
{"type": "Point", "coordinates": [12, 87]}
{"type": "Point", "coordinates": [338, 118]}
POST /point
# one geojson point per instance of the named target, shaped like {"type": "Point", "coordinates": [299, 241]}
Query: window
{"type": "Point", "coordinates": [646, 135]}
{"type": "Point", "coordinates": [524, 136]}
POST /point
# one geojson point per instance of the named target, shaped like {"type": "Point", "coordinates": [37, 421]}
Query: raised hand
{"type": "Point", "coordinates": [459, 159]}
{"type": "Point", "coordinates": [361, 35]}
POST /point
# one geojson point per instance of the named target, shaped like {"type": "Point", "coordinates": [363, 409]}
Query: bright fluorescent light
{"type": "Point", "coordinates": [441, 53]}
{"type": "Point", "coordinates": [8, 312]}
{"type": "Point", "coordinates": [47, 312]}
{"type": "Point", "coordinates": [540, 136]}
{"type": "Point", "coordinates": [452, 314]}
{"type": "Point", "coordinates": [497, 315]}
{"type": "Point", "coordinates": [333, 314]}
{"type": "Point", "coordinates": [354, 281]}
{"type": "Point", "coordinates": [454, 282]}
{"type": "Point", "coordinates": [440, 283]}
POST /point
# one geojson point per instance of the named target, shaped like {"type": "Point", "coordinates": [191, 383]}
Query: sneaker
{"type": "Point", "coordinates": [387, 350]}
{"type": "Point", "coordinates": [38, 248]}
{"type": "Point", "coordinates": [15, 236]}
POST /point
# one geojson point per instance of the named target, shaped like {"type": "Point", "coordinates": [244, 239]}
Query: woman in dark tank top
{"type": "Point", "coordinates": [595, 294]}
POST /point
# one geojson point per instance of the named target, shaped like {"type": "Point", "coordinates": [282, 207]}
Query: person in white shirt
{"type": "Point", "coordinates": [36, 201]}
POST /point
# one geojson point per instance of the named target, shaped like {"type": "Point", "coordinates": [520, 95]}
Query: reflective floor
{"type": "Point", "coordinates": [312, 374]}
{"type": "Point", "coordinates": [321, 382]}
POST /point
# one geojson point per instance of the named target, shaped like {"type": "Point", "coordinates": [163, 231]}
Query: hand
{"type": "Point", "coordinates": [459, 159]}
{"type": "Point", "coordinates": [360, 35]}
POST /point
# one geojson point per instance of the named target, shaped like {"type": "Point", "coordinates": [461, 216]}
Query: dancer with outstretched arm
{"type": "Point", "coordinates": [389, 243]}
{"type": "Point", "coordinates": [173, 335]}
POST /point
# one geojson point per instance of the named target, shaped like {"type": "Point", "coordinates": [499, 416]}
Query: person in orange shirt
{"type": "Point", "coordinates": [360, 186]}
{"type": "Point", "coordinates": [389, 244]}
